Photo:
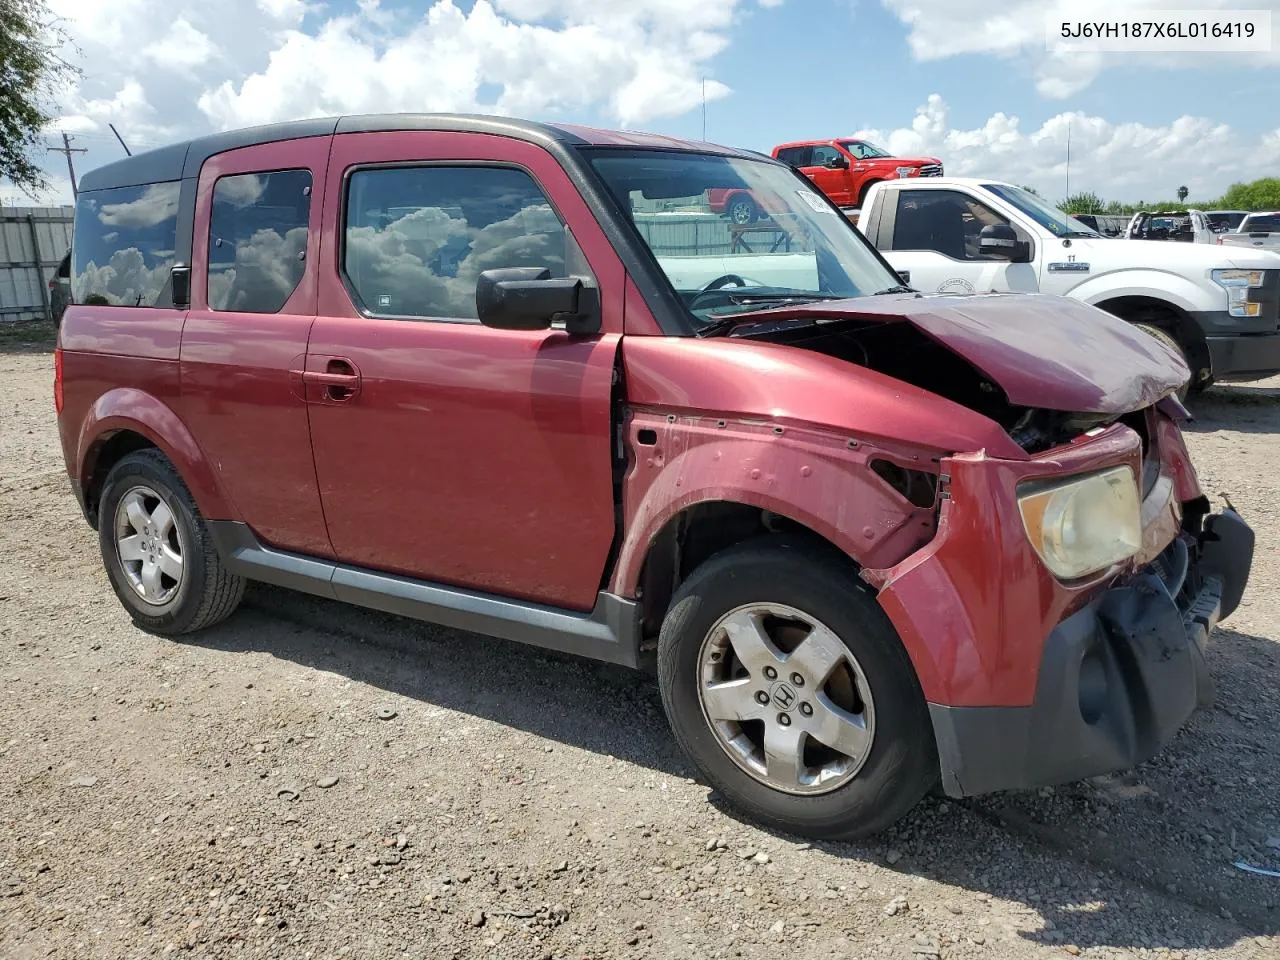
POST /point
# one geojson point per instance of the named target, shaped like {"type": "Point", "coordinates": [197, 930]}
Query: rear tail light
{"type": "Point", "coordinates": [57, 379]}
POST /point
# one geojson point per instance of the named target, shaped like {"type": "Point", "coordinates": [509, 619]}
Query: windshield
{"type": "Point", "coordinates": [1042, 212]}
{"type": "Point", "coordinates": [1262, 223]}
{"type": "Point", "coordinates": [735, 235]}
{"type": "Point", "coordinates": [864, 150]}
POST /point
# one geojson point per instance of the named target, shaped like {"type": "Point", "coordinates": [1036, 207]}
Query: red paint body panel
{"type": "Point", "coordinates": [813, 478]}
{"type": "Point", "coordinates": [1043, 351]}
{"type": "Point", "coordinates": [975, 631]}
{"type": "Point", "coordinates": [471, 456]}
{"type": "Point", "coordinates": [237, 393]}
{"type": "Point", "coordinates": [775, 383]}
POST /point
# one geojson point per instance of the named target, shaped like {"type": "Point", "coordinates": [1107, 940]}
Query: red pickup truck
{"type": "Point", "coordinates": [845, 169]}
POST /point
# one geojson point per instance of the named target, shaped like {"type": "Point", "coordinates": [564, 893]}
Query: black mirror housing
{"type": "Point", "coordinates": [998, 240]}
{"type": "Point", "coordinates": [838, 163]}
{"type": "Point", "coordinates": [180, 276]}
{"type": "Point", "coordinates": [529, 298]}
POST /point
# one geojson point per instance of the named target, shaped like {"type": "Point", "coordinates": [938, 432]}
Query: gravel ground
{"type": "Point", "coordinates": [315, 781]}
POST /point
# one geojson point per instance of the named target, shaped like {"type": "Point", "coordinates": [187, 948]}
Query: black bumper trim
{"type": "Point", "coordinates": [1117, 679]}
{"type": "Point", "coordinates": [1244, 357]}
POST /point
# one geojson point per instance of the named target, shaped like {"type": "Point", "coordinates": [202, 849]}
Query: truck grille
{"type": "Point", "coordinates": [931, 170]}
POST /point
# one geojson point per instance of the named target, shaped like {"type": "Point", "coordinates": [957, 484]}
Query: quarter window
{"type": "Point", "coordinates": [258, 240]}
{"type": "Point", "coordinates": [418, 238]}
{"type": "Point", "coordinates": [943, 221]}
{"type": "Point", "coordinates": [123, 245]}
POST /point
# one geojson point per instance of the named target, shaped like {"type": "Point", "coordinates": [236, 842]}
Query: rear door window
{"type": "Point", "coordinates": [123, 245]}
{"type": "Point", "coordinates": [258, 240]}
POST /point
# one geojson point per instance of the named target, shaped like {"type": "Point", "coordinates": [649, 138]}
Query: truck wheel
{"type": "Point", "coordinates": [788, 688]}
{"type": "Point", "coordinates": [862, 194]}
{"type": "Point", "coordinates": [1168, 340]}
{"type": "Point", "coordinates": [743, 210]}
{"type": "Point", "coordinates": [158, 553]}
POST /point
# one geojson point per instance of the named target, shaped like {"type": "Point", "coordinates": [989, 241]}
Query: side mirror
{"type": "Point", "coordinates": [905, 277]}
{"type": "Point", "coordinates": [999, 240]}
{"type": "Point", "coordinates": [838, 162]}
{"type": "Point", "coordinates": [529, 298]}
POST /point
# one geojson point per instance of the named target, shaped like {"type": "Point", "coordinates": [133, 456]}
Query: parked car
{"type": "Point", "coordinates": [1224, 221]}
{"type": "Point", "coordinates": [870, 541]}
{"type": "Point", "coordinates": [1259, 231]}
{"type": "Point", "coordinates": [844, 169]}
{"type": "Point", "coordinates": [1218, 309]}
{"type": "Point", "coordinates": [60, 289]}
{"type": "Point", "coordinates": [1104, 225]}
{"type": "Point", "coordinates": [1184, 226]}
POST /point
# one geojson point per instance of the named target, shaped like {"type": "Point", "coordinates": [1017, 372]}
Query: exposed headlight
{"type": "Point", "coordinates": [1238, 283]}
{"type": "Point", "coordinates": [1083, 526]}
{"type": "Point", "coordinates": [906, 171]}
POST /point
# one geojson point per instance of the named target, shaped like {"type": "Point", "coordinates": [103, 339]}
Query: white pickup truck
{"type": "Point", "coordinates": [1257, 231]}
{"type": "Point", "coordinates": [1219, 307]}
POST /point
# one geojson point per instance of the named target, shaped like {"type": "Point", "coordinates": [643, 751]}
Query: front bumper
{"type": "Point", "coordinates": [1117, 678]}
{"type": "Point", "coordinates": [1244, 356]}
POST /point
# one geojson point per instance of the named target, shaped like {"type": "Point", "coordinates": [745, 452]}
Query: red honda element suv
{"type": "Point", "coordinates": [472, 370]}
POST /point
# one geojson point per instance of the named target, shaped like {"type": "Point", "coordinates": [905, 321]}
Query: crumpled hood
{"type": "Point", "coordinates": [1044, 351]}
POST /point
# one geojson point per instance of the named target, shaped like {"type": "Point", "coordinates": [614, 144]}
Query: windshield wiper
{"type": "Point", "coordinates": [1078, 233]}
{"type": "Point", "coordinates": [725, 323]}
{"type": "Point", "coordinates": [900, 288]}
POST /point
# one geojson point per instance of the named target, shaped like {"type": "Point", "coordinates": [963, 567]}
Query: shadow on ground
{"type": "Point", "coordinates": [1075, 854]}
{"type": "Point", "coordinates": [1242, 408]}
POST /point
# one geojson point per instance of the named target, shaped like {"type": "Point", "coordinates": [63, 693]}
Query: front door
{"type": "Point", "coordinates": [835, 182]}
{"type": "Point", "coordinates": [933, 235]}
{"type": "Point", "coordinates": [447, 451]}
{"type": "Point", "coordinates": [257, 227]}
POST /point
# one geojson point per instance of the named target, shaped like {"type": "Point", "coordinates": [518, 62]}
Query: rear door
{"type": "Point", "coordinates": [253, 301]}
{"type": "Point", "coordinates": [448, 451]}
{"type": "Point", "coordinates": [933, 235]}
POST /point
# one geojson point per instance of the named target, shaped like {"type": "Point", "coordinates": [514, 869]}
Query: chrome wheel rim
{"type": "Point", "coordinates": [149, 546]}
{"type": "Point", "coordinates": [740, 212]}
{"type": "Point", "coordinates": [787, 701]}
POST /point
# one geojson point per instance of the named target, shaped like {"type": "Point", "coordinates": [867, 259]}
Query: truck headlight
{"type": "Point", "coordinates": [906, 171]}
{"type": "Point", "coordinates": [1085, 525]}
{"type": "Point", "coordinates": [1238, 283]}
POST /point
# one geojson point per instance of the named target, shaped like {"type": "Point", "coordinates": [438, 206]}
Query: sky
{"type": "Point", "coordinates": [969, 81]}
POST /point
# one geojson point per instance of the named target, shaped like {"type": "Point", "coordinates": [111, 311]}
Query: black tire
{"type": "Point", "coordinates": [862, 194]}
{"type": "Point", "coordinates": [1168, 339]}
{"type": "Point", "coordinates": [206, 593]}
{"type": "Point", "coordinates": [902, 765]}
{"type": "Point", "coordinates": [742, 210]}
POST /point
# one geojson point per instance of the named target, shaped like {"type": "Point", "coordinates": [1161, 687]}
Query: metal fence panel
{"type": "Point", "coordinates": [33, 240]}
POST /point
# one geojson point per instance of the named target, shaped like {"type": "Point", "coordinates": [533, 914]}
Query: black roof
{"type": "Point", "coordinates": [182, 160]}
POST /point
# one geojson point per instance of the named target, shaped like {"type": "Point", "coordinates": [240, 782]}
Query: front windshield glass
{"type": "Point", "coordinates": [735, 235]}
{"type": "Point", "coordinates": [864, 150]}
{"type": "Point", "coordinates": [1042, 212]}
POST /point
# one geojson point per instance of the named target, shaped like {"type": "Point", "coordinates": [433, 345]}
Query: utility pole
{"type": "Point", "coordinates": [1068, 159]}
{"type": "Point", "coordinates": [704, 109]}
{"type": "Point", "coordinates": [68, 150]}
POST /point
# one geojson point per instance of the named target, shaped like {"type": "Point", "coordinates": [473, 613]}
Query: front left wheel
{"type": "Point", "coordinates": [790, 691]}
{"type": "Point", "coordinates": [157, 551]}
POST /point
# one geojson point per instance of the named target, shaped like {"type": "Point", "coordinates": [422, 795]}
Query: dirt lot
{"type": "Point", "coordinates": [239, 795]}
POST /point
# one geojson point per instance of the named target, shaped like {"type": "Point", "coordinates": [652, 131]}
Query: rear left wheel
{"type": "Point", "coordinates": [157, 551]}
{"type": "Point", "coordinates": [789, 689]}
{"type": "Point", "coordinates": [743, 210]}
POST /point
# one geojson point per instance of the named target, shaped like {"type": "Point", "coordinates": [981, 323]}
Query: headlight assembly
{"type": "Point", "coordinates": [1083, 525]}
{"type": "Point", "coordinates": [1238, 283]}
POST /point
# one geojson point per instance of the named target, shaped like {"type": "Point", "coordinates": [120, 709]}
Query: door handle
{"type": "Point", "coordinates": [338, 382]}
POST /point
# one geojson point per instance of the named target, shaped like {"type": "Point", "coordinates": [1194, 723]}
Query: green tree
{"type": "Point", "coordinates": [1083, 203]}
{"type": "Point", "coordinates": [1115, 208]}
{"type": "Point", "coordinates": [31, 70]}
{"type": "Point", "coordinates": [1182, 194]}
{"type": "Point", "coordinates": [1261, 194]}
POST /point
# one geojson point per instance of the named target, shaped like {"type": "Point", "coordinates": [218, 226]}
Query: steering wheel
{"type": "Point", "coordinates": [723, 281]}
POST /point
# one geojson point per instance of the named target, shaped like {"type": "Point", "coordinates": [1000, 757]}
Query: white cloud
{"type": "Point", "coordinates": [938, 29]}
{"type": "Point", "coordinates": [183, 48]}
{"type": "Point", "coordinates": [638, 61]}
{"type": "Point", "coordinates": [1125, 161]}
